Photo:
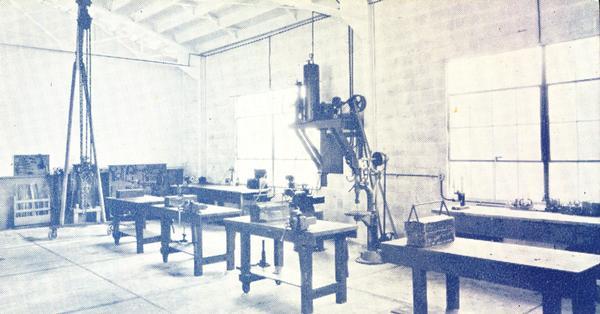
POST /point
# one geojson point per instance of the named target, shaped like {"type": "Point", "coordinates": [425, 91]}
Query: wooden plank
{"type": "Point", "coordinates": [322, 228]}
{"type": "Point", "coordinates": [528, 215]}
{"type": "Point", "coordinates": [567, 261]}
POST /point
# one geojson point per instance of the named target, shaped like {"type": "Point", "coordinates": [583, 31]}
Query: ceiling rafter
{"type": "Point", "coordinates": [224, 22]}
{"type": "Point", "coordinates": [152, 10]}
{"type": "Point", "coordinates": [198, 11]}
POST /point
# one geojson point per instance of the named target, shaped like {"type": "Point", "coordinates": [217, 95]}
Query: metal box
{"type": "Point", "coordinates": [269, 212]}
{"type": "Point", "coordinates": [129, 193]}
{"type": "Point", "coordinates": [178, 200]}
{"type": "Point", "coordinates": [430, 231]}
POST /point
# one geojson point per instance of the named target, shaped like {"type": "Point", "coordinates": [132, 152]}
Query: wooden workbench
{"type": "Point", "coordinates": [196, 220]}
{"type": "Point", "coordinates": [554, 273]}
{"type": "Point", "coordinates": [305, 243]}
{"type": "Point", "coordinates": [579, 233]}
{"type": "Point", "coordinates": [221, 194]}
{"type": "Point", "coordinates": [136, 208]}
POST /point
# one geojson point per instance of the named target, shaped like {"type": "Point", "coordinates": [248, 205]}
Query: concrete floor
{"type": "Point", "coordinates": [84, 272]}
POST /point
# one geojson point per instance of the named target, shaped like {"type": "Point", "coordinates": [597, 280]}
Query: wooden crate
{"type": "Point", "coordinates": [430, 231]}
{"type": "Point", "coordinates": [31, 205]}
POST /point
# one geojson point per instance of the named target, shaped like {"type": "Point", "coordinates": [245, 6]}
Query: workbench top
{"type": "Point", "coordinates": [211, 211]}
{"type": "Point", "coordinates": [146, 199]}
{"type": "Point", "coordinates": [532, 215]}
{"type": "Point", "coordinates": [567, 261]}
{"type": "Point", "coordinates": [224, 188]}
{"type": "Point", "coordinates": [320, 229]}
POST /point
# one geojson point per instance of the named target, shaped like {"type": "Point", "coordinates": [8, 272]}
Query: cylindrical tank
{"type": "Point", "coordinates": [311, 84]}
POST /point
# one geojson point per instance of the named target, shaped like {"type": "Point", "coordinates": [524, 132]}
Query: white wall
{"type": "Point", "coordinates": [143, 112]}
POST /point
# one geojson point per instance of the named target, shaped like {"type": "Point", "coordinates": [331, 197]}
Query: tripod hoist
{"type": "Point", "coordinates": [343, 138]}
{"type": "Point", "coordinates": [85, 188]}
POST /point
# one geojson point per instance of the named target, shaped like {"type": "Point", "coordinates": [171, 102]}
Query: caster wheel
{"type": "Point", "coordinates": [246, 287]}
{"type": "Point", "coordinates": [278, 282]}
{"type": "Point", "coordinates": [52, 234]}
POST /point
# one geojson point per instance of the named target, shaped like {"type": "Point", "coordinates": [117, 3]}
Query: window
{"type": "Point", "coordinates": [495, 146]}
{"type": "Point", "coordinates": [266, 140]}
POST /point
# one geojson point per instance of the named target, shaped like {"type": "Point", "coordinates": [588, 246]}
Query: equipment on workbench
{"type": "Point", "coordinates": [269, 211]}
{"type": "Point", "coordinates": [431, 230]}
{"type": "Point", "coordinates": [259, 180]}
{"type": "Point", "coordinates": [522, 204]}
{"type": "Point", "coordinates": [299, 222]}
{"type": "Point", "coordinates": [301, 198]}
{"type": "Point", "coordinates": [88, 177]}
{"type": "Point", "coordinates": [343, 138]}
{"type": "Point", "coordinates": [460, 196]}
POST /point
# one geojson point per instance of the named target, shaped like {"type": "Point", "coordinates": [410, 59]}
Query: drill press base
{"type": "Point", "coordinates": [370, 258]}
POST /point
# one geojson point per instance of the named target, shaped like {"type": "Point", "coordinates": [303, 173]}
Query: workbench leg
{"type": "Point", "coordinates": [230, 242]}
{"type": "Point", "coordinates": [242, 204]}
{"type": "Point", "coordinates": [306, 275]}
{"type": "Point", "coordinates": [341, 269]}
{"type": "Point", "coordinates": [165, 237]}
{"type": "Point", "coordinates": [551, 303]}
{"type": "Point", "coordinates": [245, 261]}
{"type": "Point", "coordinates": [585, 296]}
{"type": "Point", "coordinates": [452, 292]}
{"type": "Point", "coordinates": [197, 241]}
{"type": "Point", "coordinates": [139, 230]}
{"type": "Point", "coordinates": [320, 242]}
{"type": "Point", "coordinates": [116, 233]}
{"type": "Point", "coordinates": [419, 282]}
{"type": "Point", "coordinates": [278, 252]}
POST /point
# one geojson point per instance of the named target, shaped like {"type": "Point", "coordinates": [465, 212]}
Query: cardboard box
{"type": "Point", "coordinates": [430, 231]}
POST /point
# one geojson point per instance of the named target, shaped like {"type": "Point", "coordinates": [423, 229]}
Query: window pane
{"type": "Point", "coordinates": [504, 108]}
{"type": "Point", "coordinates": [588, 140]}
{"type": "Point", "coordinates": [254, 138]}
{"type": "Point", "coordinates": [481, 110]}
{"type": "Point", "coordinates": [589, 188]}
{"type": "Point", "coordinates": [459, 110]}
{"type": "Point", "coordinates": [529, 143]}
{"type": "Point", "coordinates": [573, 60]}
{"type": "Point", "coordinates": [563, 181]}
{"type": "Point", "coordinates": [531, 181]}
{"type": "Point", "coordinates": [245, 169]}
{"type": "Point", "coordinates": [505, 70]}
{"type": "Point", "coordinates": [528, 105]}
{"type": "Point", "coordinates": [481, 143]}
{"type": "Point", "coordinates": [304, 172]}
{"type": "Point", "coordinates": [588, 100]}
{"type": "Point", "coordinates": [505, 142]}
{"type": "Point", "coordinates": [460, 144]}
{"type": "Point", "coordinates": [507, 178]}
{"type": "Point", "coordinates": [482, 180]}
{"type": "Point", "coordinates": [563, 141]}
{"type": "Point", "coordinates": [562, 103]}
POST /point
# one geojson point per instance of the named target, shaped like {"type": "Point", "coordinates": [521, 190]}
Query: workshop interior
{"type": "Point", "coordinates": [299, 156]}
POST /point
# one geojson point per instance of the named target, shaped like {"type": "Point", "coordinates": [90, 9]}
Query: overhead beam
{"type": "Point", "coordinates": [152, 10]}
{"type": "Point", "coordinates": [197, 12]}
{"type": "Point", "coordinates": [256, 32]}
{"type": "Point", "coordinates": [221, 23]}
{"type": "Point", "coordinates": [142, 31]}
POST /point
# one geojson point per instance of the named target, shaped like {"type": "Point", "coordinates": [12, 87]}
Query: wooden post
{"type": "Point", "coordinates": [165, 236]}
{"type": "Point", "coordinates": [306, 274]}
{"type": "Point", "coordinates": [230, 240]}
{"type": "Point", "coordinates": [341, 268]}
{"type": "Point", "coordinates": [63, 198]}
{"type": "Point", "coordinates": [140, 216]}
{"type": "Point", "coordinates": [419, 282]}
{"type": "Point", "coordinates": [452, 292]}
{"type": "Point", "coordinates": [197, 242]}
